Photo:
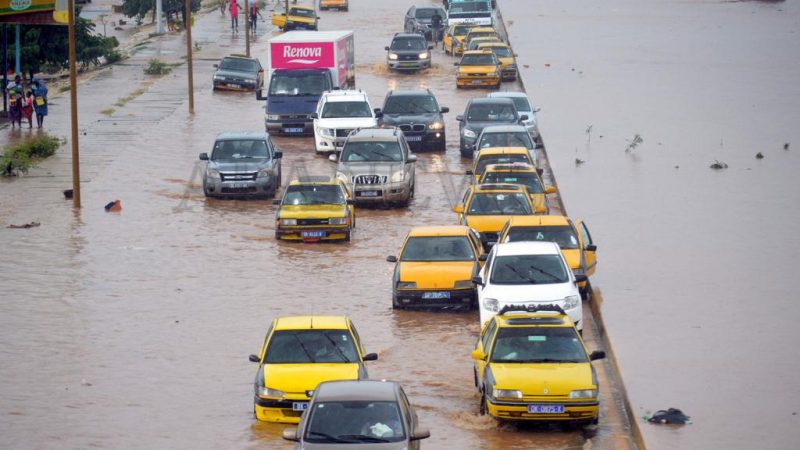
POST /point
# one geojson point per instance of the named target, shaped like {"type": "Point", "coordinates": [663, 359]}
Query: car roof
{"type": "Point", "coordinates": [503, 151]}
{"type": "Point", "coordinates": [409, 35]}
{"type": "Point", "coordinates": [314, 179]}
{"type": "Point", "coordinates": [527, 248]}
{"type": "Point", "coordinates": [533, 319]}
{"type": "Point", "coordinates": [441, 230]}
{"type": "Point", "coordinates": [482, 29]}
{"type": "Point", "coordinates": [539, 220]}
{"type": "Point", "coordinates": [238, 135]}
{"type": "Point", "coordinates": [355, 390]}
{"type": "Point", "coordinates": [311, 323]}
{"type": "Point", "coordinates": [344, 95]}
{"type": "Point", "coordinates": [489, 100]}
{"type": "Point", "coordinates": [235, 56]}
{"type": "Point", "coordinates": [507, 128]}
{"type": "Point", "coordinates": [302, 7]}
{"type": "Point", "coordinates": [507, 94]}
{"type": "Point", "coordinates": [509, 167]}
{"type": "Point", "coordinates": [477, 52]}
{"type": "Point", "coordinates": [492, 44]}
{"type": "Point", "coordinates": [494, 187]}
{"type": "Point", "coordinates": [373, 134]}
{"type": "Point", "coordinates": [410, 92]}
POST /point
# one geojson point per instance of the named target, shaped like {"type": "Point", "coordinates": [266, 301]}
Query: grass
{"type": "Point", "coordinates": [157, 67]}
{"type": "Point", "coordinates": [124, 100]}
{"type": "Point", "coordinates": [19, 158]}
{"type": "Point", "coordinates": [108, 111]}
{"type": "Point", "coordinates": [64, 88]}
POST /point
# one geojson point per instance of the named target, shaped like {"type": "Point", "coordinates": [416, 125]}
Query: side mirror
{"type": "Point", "coordinates": [391, 258]}
{"type": "Point", "coordinates": [412, 158]}
{"type": "Point", "coordinates": [254, 358]}
{"type": "Point", "coordinates": [537, 110]}
{"type": "Point", "coordinates": [478, 281]}
{"type": "Point", "coordinates": [276, 201]}
{"type": "Point", "coordinates": [455, 64]}
{"type": "Point", "coordinates": [371, 357]}
{"type": "Point", "coordinates": [386, 48]}
{"type": "Point", "coordinates": [216, 66]}
{"type": "Point", "coordinates": [314, 116]}
{"type": "Point", "coordinates": [591, 248]}
{"type": "Point", "coordinates": [277, 155]}
{"type": "Point", "coordinates": [444, 109]}
{"type": "Point", "coordinates": [597, 354]}
{"type": "Point", "coordinates": [550, 189]}
{"type": "Point", "coordinates": [203, 156]}
{"type": "Point", "coordinates": [419, 434]}
{"type": "Point", "coordinates": [430, 47]}
{"type": "Point", "coordinates": [483, 257]}
{"type": "Point", "coordinates": [478, 355]}
{"type": "Point", "coordinates": [458, 209]}
{"type": "Point", "coordinates": [460, 118]}
{"type": "Point", "coordinates": [290, 434]}
{"type": "Point", "coordinates": [350, 201]}
{"type": "Point", "coordinates": [581, 278]}
{"type": "Point", "coordinates": [333, 157]}
{"type": "Point", "coordinates": [523, 117]}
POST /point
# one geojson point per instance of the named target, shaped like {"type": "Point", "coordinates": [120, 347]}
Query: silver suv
{"type": "Point", "coordinates": [242, 164]}
{"type": "Point", "coordinates": [377, 166]}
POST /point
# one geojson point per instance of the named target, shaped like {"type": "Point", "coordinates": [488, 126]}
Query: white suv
{"type": "Point", "coordinates": [528, 273]}
{"type": "Point", "coordinates": [339, 113]}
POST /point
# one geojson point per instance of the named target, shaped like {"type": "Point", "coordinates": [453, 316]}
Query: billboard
{"type": "Point", "coordinates": [38, 12]}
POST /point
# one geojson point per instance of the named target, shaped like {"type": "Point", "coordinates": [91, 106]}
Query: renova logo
{"type": "Point", "coordinates": [20, 5]}
{"type": "Point", "coordinates": [302, 55]}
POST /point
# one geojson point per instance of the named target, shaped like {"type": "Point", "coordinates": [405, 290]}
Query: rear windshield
{"type": "Point", "coordinates": [485, 160]}
{"type": "Point", "coordinates": [503, 52]}
{"type": "Point", "coordinates": [311, 346]}
{"type": "Point", "coordinates": [527, 179]}
{"type": "Point", "coordinates": [232, 150]}
{"type": "Point", "coordinates": [461, 30]}
{"type": "Point", "coordinates": [499, 204]}
{"type": "Point", "coordinates": [538, 344]}
{"type": "Point", "coordinates": [372, 151]}
{"type": "Point", "coordinates": [409, 43]}
{"type": "Point", "coordinates": [492, 113]}
{"type": "Point", "coordinates": [410, 104]}
{"type": "Point", "coordinates": [427, 13]}
{"type": "Point", "coordinates": [438, 248]}
{"type": "Point", "coordinates": [302, 12]}
{"type": "Point", "coordinates": [294, 84]}
{"type": "Point", "coordinates": [506, 139]}
{"type": "Point", "coordinates": [529, 269]}
{"type": "Point", "coordinates": [563, 235]}
{"type": "Point", "coordinates": [345, 109]}
{"type": "Point", "coordinates": [239, 65]}
{"type": "Point", "coordinates": [478, 60]}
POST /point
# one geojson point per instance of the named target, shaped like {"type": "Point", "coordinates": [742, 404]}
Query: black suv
{"type": "Point", "coordinates": [418, 20]}
{"type": "Point", "coordinates": [482, 112]}
{"type": "Point", "coordinates": [418, 115]}
{"type": "Point", "coordinates": [409, 51]}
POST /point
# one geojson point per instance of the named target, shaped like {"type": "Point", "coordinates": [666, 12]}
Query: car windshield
{"type": "Point", "coordinates": [302, 12]}
{"type": "Point", "coordinates": [491, 113]}
{"type": "Point", "coordinates": [521, 103]}
{"type": "Point", "coordinates": [478, 60]}
{"type": "Point", "coordinates": [506, 139]}
{"type": "Point", "coordinates": [538, 344]}
{"type": "Point", "coordinates": [354, 422]}
{"type": "Point", "coordinates": [529, 269]}
{"type": "Point", "coordinates": [477, 34]}
{"type": "Point", "coordinates": [409, 43]}
{"type": "Point", "coordinates": [239, 65]}
{"type": "Point", "coordinates": [427, 13]}
{"type": "Point", "coordinates": [563, 235]}
{"type": "Point", "coordinates": [438, 248]}
{"type": "Point", "coordinates": [294, 84]}
{"type": "Point", "coordinates": [372, 151]}
{"type": "Point", "coordinates": [527, 179]}
{"type": "Point", "coordinates": [346, 109]}
{"type": "Point", "coordinates": [465, 7]}
{"type": "Point", "coordinates": [232, 150]}
{"type": "Point", "coordinates": [499, 204]}
{"type": "Point", "coordinates": [318, 194]}
{"type": "Point", "coordinates": [311, 346]}
{"type": "Point", "coordinates": [501, 52]}
{"type": "Point", "coordinates": [485, 160]}
{"type": "Point", "coordinates": [410, 104]}
{"type": "Point", "coordinates": [475, 43]}
{"type": "Point", "coordinates": [461, 30]}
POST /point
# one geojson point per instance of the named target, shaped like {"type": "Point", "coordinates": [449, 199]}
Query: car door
{"type": "Point", "coordinates": [477, 247]}
{"type": "Point", "coordinates": [461, 207]}
{"type": "Point", "coordinates": [588, 247]}
{"type": "Point", "coordinates": [484, 274]}
{"type": "Point", "coordinates": [350, 208]}
{"type": "Point", "coordinates": [484, 344]}
{"type": "Point", "coordinates": [410, 166]}
{"type": "Point", "coordinates": [409, 25]}
{"type": "Point", "coordinates": [279, 16]}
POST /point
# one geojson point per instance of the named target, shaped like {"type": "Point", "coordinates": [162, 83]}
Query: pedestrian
{"type": "Point", "coordinates": [39, 100]}
{"type": "Point", "coordinates": [436, 24]}
{"type": "Point", "coordinates": [234, 16]}
{"type": "Point", "coordinates": [223, 4]}
{"type": "Point", "coordinates": [15, 107]}
{"type": "Point", "coordinates": [27, 109]}
{"type": "Point", "coordinates": [254, 13]}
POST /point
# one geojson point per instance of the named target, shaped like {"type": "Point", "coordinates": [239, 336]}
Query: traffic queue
{"type": "Point", "coordinates": [525, 271]}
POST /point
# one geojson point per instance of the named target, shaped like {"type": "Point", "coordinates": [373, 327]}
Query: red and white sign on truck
{"type": "Point", "coordinates": [332, 50]}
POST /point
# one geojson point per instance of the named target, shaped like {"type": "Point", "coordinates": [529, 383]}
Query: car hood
{"type": "Point", "coordinates": [298, 378]}
{"type": "Point", "coordinates": [475, 69]}
{"type": "Point", "coordinates": [296, 104]}
{"type": "Point", "coordinates": [477, 125]}
{"type": "Point", "coordinates": [535, 378]}
{"type": "Point", "coordinates": [361, 446]}
{"type": "Point", "coordinates": [436, 275]}
{"type": "Point", "coordinates": [236, 73]}
{"type": "Point", "coordinates": [399, 119]}
{"type": "Point", "coordinates": [491, 224]}
{"type": "Point", "coordinates": [347, 122]}
{"type": "Point", "coordinates": [530, 293]}
{"type": "Point", "coordinates": [311, 211]}
{"type": "Point", "coordinates": [245, 165]}
{"type": "Point", "coordinates": [369, 168]}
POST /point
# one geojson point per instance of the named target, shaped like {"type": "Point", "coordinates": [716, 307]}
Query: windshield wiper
{"type": "Point", "coordinates": [548, 360]}
{"type": "Point", "coordinates": [544, 272]}
{"type": "Point", "coordinates": [305, 350]}
{"type": "Point", "coordinates": [330, 437]}
{"type": "Point", "coordinates": [530, 280]}
{"type": "Point", "coordinates": [363, 438]}
{"type": "Point", "coordinates": [336, 347]}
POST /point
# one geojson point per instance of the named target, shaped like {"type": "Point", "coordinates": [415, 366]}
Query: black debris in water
{"type": "Point", "coordinates": [579, 161]}
{"type": "Point", "coordinates": [717, 165]}
{"type": "Point", "coordinates": [67, 194]}
{"type": "Point", "coordinates": [671, 416]}
{"type": "Point", "coordinates": [786, 146]}
{"type": "Point", "coordinates": [759, 155]}
{"type": "Point", "coordinates": [26, 225]}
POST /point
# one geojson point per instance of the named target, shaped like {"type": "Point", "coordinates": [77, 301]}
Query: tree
{"type": "Point", "coordinates": [140, 8]}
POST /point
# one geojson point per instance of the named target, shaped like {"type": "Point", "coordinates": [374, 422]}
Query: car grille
{"type": "Point", "coordinates": [343, 132]}
{"type": "Point", "coordinates": [240, 176]}
{"type": "Point", "coordinates": [234, 80]}
{"type": "Point", "coordinates": [294, 116]}
{"type": "Point", "coordinates": [418, 127]}
{"type": "Point", "coordinates": [369, 179]}
{"type": "Point", "coordinates": [312, 221]}
{"type": "Point", "coordinates": [244, 190]}
{"type": "Point", "coordinates": [408, 57]}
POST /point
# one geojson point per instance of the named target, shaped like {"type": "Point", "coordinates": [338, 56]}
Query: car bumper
{"type": "Point", "coordinates": [331, 233]}
{"type": "Point", "coordinates": [289, 127]}
{"type": "Point", "coordinates": [328, 144]}
{"type": "Point", "coordinates": [435, 298]}
{"type": "Point", "coordinates": [215, 187]}
{"type": "Point", "coordinates": [575, 314]}
{"type": "Point", "coordinates": [509, 74]}
{"type": "Point", "coordinates": [277, 410]}
{"type": "Point", "coordinates": [234, 85]}
{"type": "Point", "coordinates": [426, 140]}
{"type": "Point", "coordinates": [409, 65]}
{"type": "Point", "coordinates": [300, 26]}
{"type": "Point", "coordinates": [477, 81]}
{"type": "Point", "coordinates": [587, 410]}
{"type": "Point", "coordinates": [381, 193]}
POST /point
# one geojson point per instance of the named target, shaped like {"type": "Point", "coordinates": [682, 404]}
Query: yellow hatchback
{"type": "Point", "coordinates": [476, 32]}
{"type": "Point", "coordinates": [298, 353]}
{"type": "Point", "coordinates": [435, 267]}
{"type": "Point", "coordinates": [487, 207]}
{"type": "Point", "coordinates": [504, 54]}
{"type": "Point", "coordinates": [498, 155]}
{"type": "Point", "coordinates": [301, 17]}
{"type": "Point", "coordinates": [524, 174]}
{"type": "Point", "coordinates": [453, 40]}
{"type": "Point", "coordinates": [478, 68]}
{"type": "Point", "coordinates": [315, 208]}
{"type": "Point", "coordinates": [531, 364]}
{"type": "Point", "coordinates": [343, 5]}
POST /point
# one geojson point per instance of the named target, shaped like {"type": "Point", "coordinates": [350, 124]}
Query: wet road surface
{"type": "Point", "coordinates": [132, 330]}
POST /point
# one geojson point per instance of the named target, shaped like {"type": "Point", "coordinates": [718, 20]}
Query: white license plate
{"type": "Point", "coordinates": [293, 130]}
{"type": "Point", "coordinates": [435, 295]}
{"type": "Point", "coordinates": [477, 82]}
{"type": "Point", "coordinates": [299, 406]}
{"type": "Point", "coordinates": [234, 85]}
{"type": "Point", "coordinates": [546, 409]}
{"type": "Point", "coordinates": [368, 193]}
{"type": "Point", "coordinates": [314, 234]}
{"type": "Point", "coordinates": [414, 138]}
{"type": "Point", "coordinates": [239, 185]}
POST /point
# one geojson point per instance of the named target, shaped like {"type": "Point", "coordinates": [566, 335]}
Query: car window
{"type": "Point", "coordinates": [354, 422]}
{"type": "Point", "coordinates": [527, 179]}
{"type": "Point", "coordinates": [438, 248]}
{"type": "Point", "coordinates": [486, 339]}
{"type": "Point", "coordinates": [362, 151]}
{"type": "Point", "coordinates": [311, 346]}
{"type": "Point", "coordinates": [359, 345]}
{"type": "Point", "coordinates": [485, 160]}
{"type": "Point", "coordinates": [302, 12]}
{"type": "Point", "coordinates": [408, 43]}
{"type": "Point", "coordinates": [585, 236]}
{"type": "Point", "coordinates": [521, 103]}
{"type": "Point", "coordinates": [461, 30]}
{"type": "Point", "coordinates": [318, 194]}
{"type": "Point", "coordinates": [346, 109]}
{"type": "Point", "coordinates": [501, 52]}
{"type": "Point", "coordinates": [309, 83]}
{"type": "Point", "coordinates": [529, 269]}
{"type": "Point", "coordinates": [499, 204]}
{"type": "Point", "coordinates": [491, 113]}
{"type": "Point", "coordinates": [427, 13]}
{"type": "Point", "coordinates": [239, 65]}
{"type": "Point", "coordinates": [479, 60]}
{"type": "Point", "coordinates": [538, 344]}
{"type": "Point", "coordinates": [233, 150]}
{"type": "Point", "coordinates": [410, 104]}
{"type": "Point", "coordinates": [506, 139]}
{"type": "Point", "coordinates": [563, 235]}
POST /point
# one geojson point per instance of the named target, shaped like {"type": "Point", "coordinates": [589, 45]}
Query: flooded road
{"type": "Point", "coordinates": [132, 329]}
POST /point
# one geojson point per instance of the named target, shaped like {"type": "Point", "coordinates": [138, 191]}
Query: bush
{"type": "Point", "coordinates": [21, 157]}
{"type": "Point", "coordinates": [113, 56]}
{"type": "Point", "coordinates": [157, 67]}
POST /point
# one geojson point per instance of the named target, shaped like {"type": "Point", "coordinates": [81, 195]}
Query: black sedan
{"type": "Point", "coordinates": [238, 73]}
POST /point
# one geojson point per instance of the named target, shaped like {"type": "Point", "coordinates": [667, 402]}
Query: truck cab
{"type": "Point", "coordinates": [475, 12]}
{"type": "Point", "coordinates": [292, 97]}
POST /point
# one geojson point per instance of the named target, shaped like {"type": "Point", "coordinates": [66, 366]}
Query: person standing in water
{"type": "Point", "coordinates": [39, 89]}
{"type": "Point", "coordinates": [234, 16]}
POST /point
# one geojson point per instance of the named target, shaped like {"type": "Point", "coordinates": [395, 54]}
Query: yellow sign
{"type": "Point", "coordinates": [9, 7]}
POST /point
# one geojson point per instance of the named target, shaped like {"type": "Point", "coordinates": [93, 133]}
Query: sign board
{"type": "Point", "coordinates": [37, 12]}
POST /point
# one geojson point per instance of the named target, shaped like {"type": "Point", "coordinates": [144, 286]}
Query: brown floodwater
{"type": "Point", "coordinates": [132, 329]}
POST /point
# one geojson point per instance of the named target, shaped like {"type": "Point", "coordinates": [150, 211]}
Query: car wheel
{"type": "Point", "coordinates": [347, 236]}
{"type": "Point", "coordinates": [443, 147]}
{"type": "Point", "coordinates": [482, 409]}
{"type": "Point", "coordinates": [586, 291]}
{"type": "Point", "coordinates": [466, 153]}
{"type": "Point", "coordinates": [395, 303]}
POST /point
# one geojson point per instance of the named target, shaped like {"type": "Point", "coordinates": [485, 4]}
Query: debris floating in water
{"type": "Point", "coordinates": [717, 165]}
{"type": "Point", "coordinates": [759, 155]}
{"type": "Point", "coordinates": [26, 225]}
{"type": "Point", "coordinates": [114, 206]}
{"type": "Point", "coordinates": [786, 146]}
{"type": "Point", "coordinates": [637, 139]}
{"type": "Point", "coordinates": [579, 161]}
{"type": "Point", "coordinates": [671, 416]}
{"type": "Point", "coordinates": [67, 194]}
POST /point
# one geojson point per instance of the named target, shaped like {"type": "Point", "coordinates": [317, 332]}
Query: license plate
{"type": "Point", "coordinates": [234, 85]}
{"type": "Point", "coordinates": [239, 185]}
{"type": "Point", "coordinates": [477, 82]}
{"type": "Point", "coordinates": [435, 295]}
{"type": "Point", "coordinates": [408, 64]}
{"type": "Point", "coordinates": [293, 130]}
{"type": "Point", "coordinates": [314, 234]}
{"type": "Point", "coordinates": [299, 406]}
{"type": "Point", "coordinates": [368, 193]}
{"type": "Point", "coordinates": [413, 138]}
{"type": "Point", "coordinates": [546, 409]}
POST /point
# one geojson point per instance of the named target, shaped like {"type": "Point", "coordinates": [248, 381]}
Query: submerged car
{"type": "Point", "coordinates": [435, 267]}
{"type": "Point", "coordinates": [242, 164]}
{"type": "Point", "coordinates": [301, 17]}
{"type": "Point", "coordinates": [484, 112]}
{"type": "Point", "coordinates": [408, 51]}
{"type": "Point", "coordinates": [298, 353]}
{"type": "Point", "coordinates": [419, 117]}
{"type": "Point", "coordinates": [315, 209]}
{"type": "Point", "coordinates": [478, 68]}
{"type": "Point", "coordinates": [355, 414]}
{"type": "Point", "coordinates": [487, 207]}
{"type": "Point", "coordinates": [522, 174]}
{"type": "Point", "coordinates": [531, 364]}
{"type": "Point", "coordinates": [238, 73]}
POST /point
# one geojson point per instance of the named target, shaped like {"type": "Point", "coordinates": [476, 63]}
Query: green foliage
{"type": "Point", "coordinates": [157, 67]}
{"type": "Point", "coordinates": [113, 56]}
{"type": "Point", "coordinates": [140, 8]}
{"type": "Point", "coordinates": [21, 157]}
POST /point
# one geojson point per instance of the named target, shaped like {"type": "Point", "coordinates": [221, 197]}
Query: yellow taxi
{"type": "Point", "coordinates": [575, 241]}
{"type": "Point", "coordinates": [531, 364]}
{"type": "Point", "coordinates": [453, 40]}
{"type": "Point", "coordinates": [315, 209]}
{"type": "Point", "coordinates": [478, 68]}
{"type": "Point", "coordinates": [475, 43]}
{"type": "Point", "coordinates": [476, 32]}
{"type": "Point", "coordinates": [487, 207]}
{"type": "Point", "coordinates": [343, 5]}
{"type": "Point", "coordinates": [498, 155]}
{"type": "Point", "coordinates": [524, 174]}
{"type": "Point", "coordinates": [301, 17]}
{"type": "Point", "coordinates": [435, 267]}
{"type": "Point", "coordinates": [298, 353]}
{"type": "Point", "coordinates": [504, 54]}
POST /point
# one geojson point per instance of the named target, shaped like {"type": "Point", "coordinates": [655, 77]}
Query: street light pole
{"type": "Point", "coordinates": [159, 21]}
{"type": "Point", "coordinates": [246, 28]}
{"type": "Point", "coordinates": [188, 19]}
{"type": "Point", "coordinates": [73, 100]}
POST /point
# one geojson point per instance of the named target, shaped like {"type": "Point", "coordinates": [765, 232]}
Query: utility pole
{"type": "Point", "coordinates": [159, 21]}
{"type": "Point", "coordinates": [5, 66]}
{"type": "Point", "coordinates": [73, 100]}
{"type": "Point", "coordinates": [17, 50]}
{"type": "Point", "coordinates": [246, 28]}
{"type": "Point", "coordinates": [286, 15]}
{"type": "Point", "coordinates": [188, 19]}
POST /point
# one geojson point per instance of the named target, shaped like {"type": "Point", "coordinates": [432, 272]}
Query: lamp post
{"type": "Point", "coordinates": [73, 100]}
{"type": "Point", "coordinates": [188, 19]}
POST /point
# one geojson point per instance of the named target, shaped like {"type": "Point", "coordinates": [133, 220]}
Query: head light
{"type": "Point", "coordinates": [273, 117]}
{"type": "Point", "coordinates": [325, 131]}
{"type": "Point", "coordinates": [468, 133]}
{"type": "Point", "coordinates": [338, 221]}
{"type": "Point", "coordinates": [289, 222]}
{"type": "Point", "coordinates": [268, 392]}
{"type": "Point", "coordinates": [424, 55]}
{"type": "Point", "coordinates": [572, 302]}
{"type": "Point", "coordinates": [406, 285]}
{"type": "Point", "coordinates": [212, 173]}
{"type": "Point", "coordinates": [393, 56]}
{"type": "Point", "coordinates": [490, 304]}
{"type": "Point", "coordinates": [436, 126]}
{"type": "Point", "coordinates": [583, 393]}
{"type": "Point", "coordinates": [463, 284]}
{"type": "Point", "coordinates": [507, 393]}
{"type": "Point", "coordinates": [265, 172]}
{"type": "Point", "coordinates": [398, 176]}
